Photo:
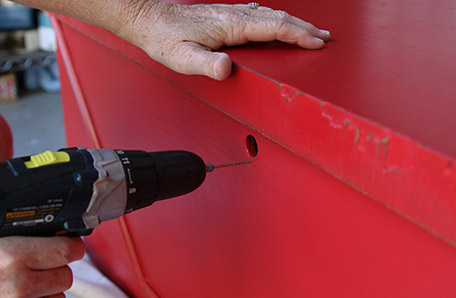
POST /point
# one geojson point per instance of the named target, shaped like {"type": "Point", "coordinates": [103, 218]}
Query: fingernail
{"type": "Point", "coordinates": [222, 67]}
{"type": "Point", "coordinates": [216, 68]}
{"type": "Point", "coordinates": [326, 32]}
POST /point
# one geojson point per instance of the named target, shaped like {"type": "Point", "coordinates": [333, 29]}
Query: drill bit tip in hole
{"type": "Point", "coordinates": [211, 167]}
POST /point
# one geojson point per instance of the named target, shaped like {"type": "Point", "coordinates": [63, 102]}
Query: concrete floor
{"type": "Point", "coordinates": [36, 122]}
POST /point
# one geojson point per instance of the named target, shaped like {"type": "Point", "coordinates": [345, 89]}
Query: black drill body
{"type": "Point", "coordinates": [71, 191]}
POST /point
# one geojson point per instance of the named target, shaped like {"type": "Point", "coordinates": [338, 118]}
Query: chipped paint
{"type": "Point", "coordinates": [370, 136]}
{"type": "Point", "coordinates": [332, 123]}
{"type": "Point", "coordinates": [383, 142]}
{"type": "Point", "coordinates": [335, 125]}
{"type": "Point", "coordinates": [357, 136]}
{"type": "Point", "coordinates": [327, 116]}
{"type": "Point", "coordinates": [287, 92]}
{"type": "Point", "coordinates": [391, 169]}
{"type": "Point", "coordinates": [322, 104]}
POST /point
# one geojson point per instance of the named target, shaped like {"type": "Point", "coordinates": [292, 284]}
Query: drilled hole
{"type": "Point", "coordinates": [252, 146]}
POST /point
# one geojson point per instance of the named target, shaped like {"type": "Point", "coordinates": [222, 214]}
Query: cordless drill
{"type": "Point", "coordinates": [69, 192]}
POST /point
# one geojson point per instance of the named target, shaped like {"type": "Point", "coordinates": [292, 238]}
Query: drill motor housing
{"type": "Point", "coordinates": [71, 191]}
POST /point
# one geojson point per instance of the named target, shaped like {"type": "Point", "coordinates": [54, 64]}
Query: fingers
{"type": "Point", "coordinates": [322, 34]}
{"type": "Point", "coordinates": [58, 251]}
{"type": "Point", "coordinates": [50, 282]}
{"type": "Point", "coordinates": [31, 283]}
{"type": "Point", "coordinates": [193, 58]}
{"type": "Point", "coordinates": [37, 266]}
{"type": "Point", "coordinates": [23, 282]}
{"type": "Point", "coordinates": [265, 24]}
{"type": "Point", "coordinates": [302, 25]}
{"type": "Point", "coordinates": [293, 34]}
{"type": "Point", "coordinates": [270, 14]}
{"type": "Point", "coordinates": [38, 253]}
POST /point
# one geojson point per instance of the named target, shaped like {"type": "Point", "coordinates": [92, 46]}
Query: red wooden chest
{"type": "Point", "coordinates": [353, 189]}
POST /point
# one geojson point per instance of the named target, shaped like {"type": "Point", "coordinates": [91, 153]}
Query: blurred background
{"type": "Point", "coordinates": [29, 80]}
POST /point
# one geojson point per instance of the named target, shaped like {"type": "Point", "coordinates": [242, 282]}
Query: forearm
{"type": "Point", "coordinates": [184, 37]}
{"type": "Point", "coordinates": [109, 14]}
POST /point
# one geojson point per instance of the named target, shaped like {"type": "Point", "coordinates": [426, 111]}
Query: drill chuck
{"type": "Point", "coordinates": [160, 175]}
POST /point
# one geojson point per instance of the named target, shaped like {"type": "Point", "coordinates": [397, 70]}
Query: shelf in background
{"type": "Point", "coordinates": [18, 62]}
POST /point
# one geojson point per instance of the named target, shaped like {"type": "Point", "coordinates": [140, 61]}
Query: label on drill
{"type": "Point", "coordinates": [37, 214]}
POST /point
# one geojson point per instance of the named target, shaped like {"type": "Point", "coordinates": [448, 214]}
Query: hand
{"type": "Point", "coordinates": [182, 37]}
{"type": "Point", "coordinates": [37, 266]}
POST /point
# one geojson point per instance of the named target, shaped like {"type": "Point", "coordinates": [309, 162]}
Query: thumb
{"type": "Point", "coordinates": [193, 58]}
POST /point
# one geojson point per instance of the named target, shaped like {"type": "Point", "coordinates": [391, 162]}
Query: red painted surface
{"type": "Point", "coordinates": [355, 163]}
{"type": "Point", "coordinates": [6, 144]}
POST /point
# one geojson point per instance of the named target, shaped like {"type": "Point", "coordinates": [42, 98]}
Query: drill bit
{"type": "Point", "coordinates": [211, 167]}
